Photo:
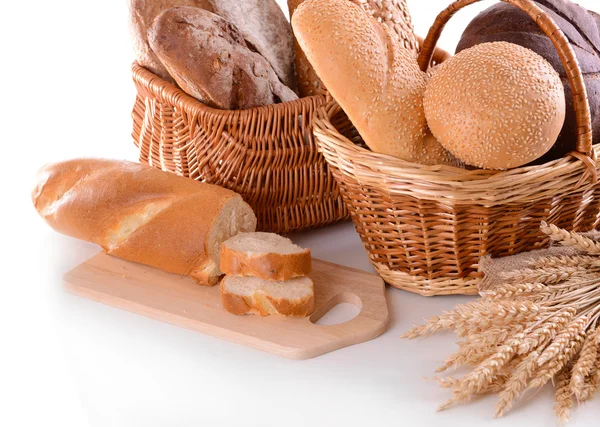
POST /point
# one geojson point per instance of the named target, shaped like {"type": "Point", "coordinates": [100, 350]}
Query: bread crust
{"type": "Point", "coordinates": [224, 72]}
{"type": "Point", "coordinates": [141, 16]}
{"type": "Point", "coordinates": [266, 266]}
{"type": "Point", "coordinates": [264, 305]}
{"type": "Point", "coordinates": [261, 22]}
{"type": "Point", "coordinates": [137, 213]}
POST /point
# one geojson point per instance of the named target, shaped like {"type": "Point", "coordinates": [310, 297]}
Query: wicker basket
{"type": "Point", "coordinates": [425, 228]}
{"type": "Point", "coordinates": [266, 154]}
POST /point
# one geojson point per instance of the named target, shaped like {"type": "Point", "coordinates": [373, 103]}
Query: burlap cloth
{"type": "Point", "coordinates": [493, 267]}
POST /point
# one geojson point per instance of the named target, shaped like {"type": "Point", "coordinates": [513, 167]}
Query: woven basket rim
{"type": "Point", "coordinates": [395, 165]}
{"type": "Point", "coordinates": [166, 91]}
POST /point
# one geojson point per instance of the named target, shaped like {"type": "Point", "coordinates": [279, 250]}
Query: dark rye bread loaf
{"type": "Point", "coordinates": [210, 60]}
{"type": "Point", "coordinates": [504, 22]}
{"type": "Point", "coordinates": [261, 22]}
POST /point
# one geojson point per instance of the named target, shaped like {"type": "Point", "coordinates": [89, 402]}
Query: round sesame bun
{"type": "Point", "coordinates": [376, 81]}
{"type": "Point", "coordinates": [496, 105]}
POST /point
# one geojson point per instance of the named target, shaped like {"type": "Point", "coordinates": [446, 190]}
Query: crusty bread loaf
{"type": "Point", "coordinates": [142, 214]}
{"type": "Point", "coordinates": [141, 16]}
{"type": "Point", "coordinates": [309, 84]}
{"type": "Point", "coordinates": [261, 22]}
{"type": "Point", "coordinates": [377, 82]}
{"type": "Point", "coordinates": [264, 26]}
{"type": "Point", "coordinates": [250, 295]}
{"type": "Point", "coordinates": [393, 14]}
{"type": "Point", "coordinates": [211, 61]}
{"type": "Point", "coordinates": [264, 255]}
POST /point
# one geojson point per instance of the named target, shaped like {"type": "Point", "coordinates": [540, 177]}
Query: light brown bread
{"type": "Point", "coordinates": [377, 82]}
{"type": "Point", "coordinates": [250, 295]}
{"type": "Point", "coordinates": [392, 13]}
{"type": "Point", "coordinates": [142, 214]}
{"type": "Point", "coordinates": [496, 105]}
{"type": "Point", "coordinates": [261, 22]}
{"type": "Point", "coordinates": [141, 16]}
{"type": "Point", "coordinates": [264, 255]}
{"type": "Point", "coordinates": [222, 71]}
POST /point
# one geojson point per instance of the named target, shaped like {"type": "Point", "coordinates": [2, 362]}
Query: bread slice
{"type": "Point", "coordinates": [250, 295]}
{"type": "Point", "coordinates": [267, 256]}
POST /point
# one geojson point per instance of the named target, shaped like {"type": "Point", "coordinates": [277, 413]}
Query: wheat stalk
{"type": "Point", "coordinates": [541, 324]}
{"type": "Point", "coordinates": [573, 332]}
{"type": "Point", "coordinates": [547, 275]}
{"type": "Point", "coordinates": [564, 261]}
{"type": "Point", "coordinates": [563, 402]}
{"type": "Point", "coordinates": [585, 364]}
{"type": "Point", "coordinates": [574, 240]}
{"type": "Point", "coordinates": [509, 291]}
{"type": "Point", "coordinates": [517, 383]}
{"type": "Point", "coordinates": [488, 313]}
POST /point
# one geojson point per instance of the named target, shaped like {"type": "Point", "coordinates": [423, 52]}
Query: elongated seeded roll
{"type": "Point", "coordinates": [142, 214]}
{"type": "Point", "coordinates": [376, 81]}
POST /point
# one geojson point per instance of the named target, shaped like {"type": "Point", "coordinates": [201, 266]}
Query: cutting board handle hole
{"type": "Point", "coordinates": [340, 309]}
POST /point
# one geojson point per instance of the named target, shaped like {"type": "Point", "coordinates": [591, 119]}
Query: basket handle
{"type": "Point", "coordinates": [565, 52]}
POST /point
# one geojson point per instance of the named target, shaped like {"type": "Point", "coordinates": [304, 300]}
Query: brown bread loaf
{"type": "Point", "coordinates": [142, 214]}
{"type": "Point", "coordinates": [141, 16]}
{"type": "Point", "coordinates": [223, 71]}
{"type": "Point", "coordinates": [261, 22]}
{"type": "Point", "coordinates": [265, 27]}
{"type": "Point", "coordinates": [504, 22]}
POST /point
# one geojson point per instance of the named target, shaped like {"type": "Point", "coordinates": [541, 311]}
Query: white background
{"type": "Point", "coordinates": [67, 92]}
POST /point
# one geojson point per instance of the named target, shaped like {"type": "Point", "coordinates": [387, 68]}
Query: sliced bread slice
{"type": "Point", "coordinates": [264, 255]}
{"type": "Point", "coordinates": [250, 295]}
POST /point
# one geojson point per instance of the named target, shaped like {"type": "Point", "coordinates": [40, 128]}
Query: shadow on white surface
{"type": "Point", "coordinates": [340, 313]}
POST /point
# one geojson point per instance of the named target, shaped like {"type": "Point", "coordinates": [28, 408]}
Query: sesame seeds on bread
{"type": "Point", "coordinates": [376, 81]}
{"type": "Point", "coordinates": [496, 105]}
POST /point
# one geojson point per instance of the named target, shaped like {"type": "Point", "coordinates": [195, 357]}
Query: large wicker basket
{"type": "Point", "coordinates": [425, 228]}
{"type": "Point", "coordinates": [266, 154]}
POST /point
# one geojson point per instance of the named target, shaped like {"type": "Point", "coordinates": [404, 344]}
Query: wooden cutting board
{"type": "Point", "coordinates": [180, 301]}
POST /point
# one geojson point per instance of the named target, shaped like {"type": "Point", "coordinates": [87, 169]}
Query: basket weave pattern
{"type": "Point", "coordinates": [426, 227]}
{"type": "Point", "coordinates": [266, 154]}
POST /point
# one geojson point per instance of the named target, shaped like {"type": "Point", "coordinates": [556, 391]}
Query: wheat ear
{"type": "Point", "coordinates": [574, 240]}
{"type": "Point", "coordinates": [563, 403]}
{"type": "Point", "coordinates": [585, 363]}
